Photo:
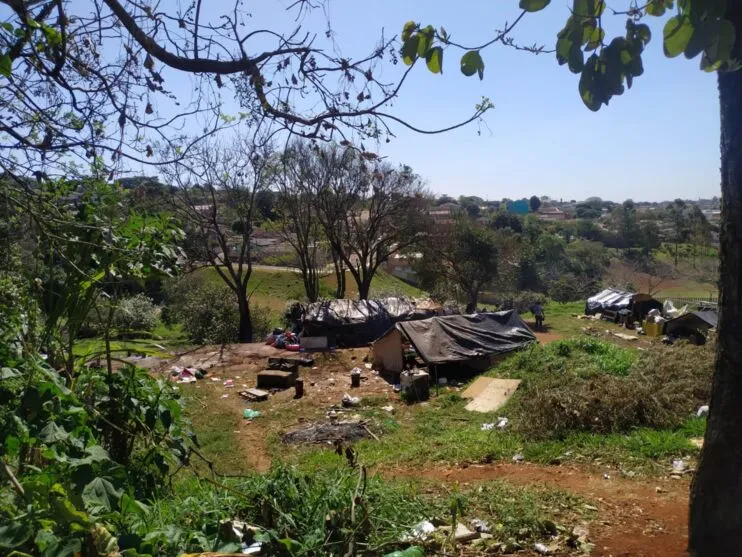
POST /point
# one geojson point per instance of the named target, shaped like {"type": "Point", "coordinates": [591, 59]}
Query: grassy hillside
{"type": "Point", "coordinates": [273, 289]}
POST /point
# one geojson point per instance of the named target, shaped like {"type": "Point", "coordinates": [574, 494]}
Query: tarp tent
{"type": "Point", "coordinates": [348, 323]}
{"type": "Point", "coordinates": [694, 325]}
{"type": "Point", "coordinates": [612, 299]}
{"type": "Point", "coordinates": [453, 338]}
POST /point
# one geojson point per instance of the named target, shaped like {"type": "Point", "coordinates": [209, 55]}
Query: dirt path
{"type": "Point", "coordinates": [635, 518]}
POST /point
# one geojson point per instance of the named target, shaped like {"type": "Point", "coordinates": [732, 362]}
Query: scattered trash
{"type": "Point", "coordinates": [518, 457]}
{"type": "Point", "coordinates": [679, 466]}
{"type": "Point", "coordinates": [702, 411]}
{"type": "Point", "coordinates": [229, 383]}
{"type": "Point", "coordinates": [368, 366]}
{"type": "Point", "coordinates": [697, 442]}
{"type": "Point", "coordinates": [480, 526]}
{"type": "Point", "coordinates": [225, 396]}
{"type": "Point", "coordinates": [350, 401]}
{"type": "Point", "coordinates": [254, 395]}
{"type": "Point", "coordinates": [462, 533]}
{"type": "Point", "coordinates": [502, 423]}
{"type": "Point", "coordinates": [355, 377]}
{"type": "Point", "coordinates": [215, 379]}
{"type": "Point", "coordinates": [389, 409]}
{"type": "Point", "coordinates": [658, 489]}
{"type": "Point", "coordinates": [443, 381]}
{"type": "Point", "coordinates": [250, 414]}
{"type": "Point", "coordinates": [396, 387]}
{"type": "Point", "coordinates": [606, 477]}
{"type": "Point", "coordinates": [487, 426]}
{"type": "Point", "coordinates": [541, 548]}
{"type": "Point", "coordinates": [420, 531]}
{"type": "Point", "coordinates": [328, 432]}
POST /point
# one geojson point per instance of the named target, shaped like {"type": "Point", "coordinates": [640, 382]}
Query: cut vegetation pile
{"type": "Point", "coordinates": [586, 385]}
{"type": "Point", "coordinates": [327, 432]}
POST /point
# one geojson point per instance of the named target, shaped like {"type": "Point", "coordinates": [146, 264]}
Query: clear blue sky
{"type": "Point", "coordinates": [660, 140]}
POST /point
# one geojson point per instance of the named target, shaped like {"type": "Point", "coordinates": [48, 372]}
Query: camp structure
{"type": "Point", "coordinates": [693, 325]}
{"type": "Point", "coordinates": [471, 339]}
{"type": "Point", "coordinates": [613, 303]}
{"type": "Point", "coordinates": [351, 323]}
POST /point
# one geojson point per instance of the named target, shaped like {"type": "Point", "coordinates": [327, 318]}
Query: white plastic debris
{"type": "Point", "coordinates": [488, 426]}
{"type": "Point", "coordinates": [443, 381]}
{"type": "Point", "coordinates": [480, 526]}
{"type": "Point", "coordinates": [368, 366]}
{"type": "Point", "coordinates": [350, 401]}
{"type": "Point", "coordinates": [502, 423]}
{"type": "Point", "coordinates": [225, 396]}
{"type": "Point", "coordinates": [679, 466]}
{"type": "Point", "coordinates": [518, 457]}
{"type": "Point", "coordinates": [389, 409]}
{"type": "Point", "coordinates": [541, 548]}
{"type": "Point", "coordinates": [356, 371]}
{"type": "Point", "coordinates": [702, 411]}
{"type": "Point", "coordinates": [419, 532]}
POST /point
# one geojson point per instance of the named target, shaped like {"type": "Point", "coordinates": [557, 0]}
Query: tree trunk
{"type": "Point", "coordinates": [716, 505]}
{"type": "Point", "coordinates": [337, 261]}
{"type": "Point", "coordinates": [364, 287]}
{"type": "Point", "coordinates": [245, 332]}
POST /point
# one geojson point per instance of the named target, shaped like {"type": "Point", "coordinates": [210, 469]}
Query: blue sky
{"type": "Point", "coordinates": [660, 140]}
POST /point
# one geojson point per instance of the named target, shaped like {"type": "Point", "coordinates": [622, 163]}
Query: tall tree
{"type": "Point", "coordinates": [679, 222]}
{"type": "Point", "coordinates": [218, 184]}
{"type": "Point", "coordinates": [369, 210]}
{"type": "Point", "coordinates": [713, 30]}
{"type": "Point", "coordinates": [300, 172]}
{"type": "Point", "coordinates": [534, 203]}
{"type": "Point", "coordinates": [462, 260]}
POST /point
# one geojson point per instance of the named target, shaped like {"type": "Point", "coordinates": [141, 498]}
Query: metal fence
{"type": "Point", "coordinates": [708, 301]}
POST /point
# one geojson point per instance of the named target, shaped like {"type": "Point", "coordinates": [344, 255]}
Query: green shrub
{"type": "Point", "coordinates": [136, 313]}
{"type": "Point", "coordinates": [592, 386]}
{"type": "Point", "coordinates": [208, 311]}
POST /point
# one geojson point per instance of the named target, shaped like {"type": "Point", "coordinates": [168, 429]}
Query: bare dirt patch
{"type": "Point", "coordinates": [635, 518]}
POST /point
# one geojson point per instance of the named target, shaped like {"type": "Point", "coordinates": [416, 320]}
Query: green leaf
{"type": "Point", "coordinates": [407, 30]}
{"type": "Point", "coordinates": [101, 494]}
{"type": "Point", "coordinates": [709, 66]}
{"type": "Point", "coordinates": [576, 59]}
{"type": "Point", "coordinates": [677, 33]}
{"type": "Point", "coordinates": [434, 59]}
{"type": "Point", "coordinates": [722, 41]}
{"type": "Point", "coordinates": [697, 42]}
{"type": "Point", "coordinates": [533, 5]}
{"type": "Point", "coordinates": [8, 372]}
{"type": "Point", "coordinates": [14, 534]}
{"type": "Point", "coordinates": [409, 49]}
{"type": "Point", "coordinates": [425, 39]}
{"type": "Point", "coordinates": [6, 67]}
{"type": "Point", "coordinates": [52, 433]}
{"type": "Point", "coordinates": [643, 32]}
{"type": "Point", "coordinates": [563, 48]}
{"type": "Point", "coordinates": [656, 7]}
{"type": "Point", "coordinates": [588, 8]}
{"type": "Point", "coordinates": [471, 63]}
{"type": "Point", "coordinates": [7, 26]}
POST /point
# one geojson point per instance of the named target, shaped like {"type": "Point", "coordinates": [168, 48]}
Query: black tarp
{"type": "Point", "coordinates": [456, 338]}
{"type": "Point", "coordinates": [349, 323]}
{"type": "Point", "coordinates": [688, 323]}
{"type": "Point", "coordinates": [612, 299]}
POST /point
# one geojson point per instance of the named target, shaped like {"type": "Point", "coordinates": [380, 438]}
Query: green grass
{"type": "Point", "coordinates": [444, 432]}
{"type": "Point", "coordinates": [273, 289]}
{"type": "Point", "coordinates": [314, 510]}
{"type": "Point", "coordinates": [160, 343]}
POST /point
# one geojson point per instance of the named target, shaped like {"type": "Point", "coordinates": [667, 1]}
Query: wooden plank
{"type": "Point", "coordinates": [494, 395]}
{"type": "Point", "coordinates": [477, 387]}
{"type": "Point", "coordinates": [255, 395]}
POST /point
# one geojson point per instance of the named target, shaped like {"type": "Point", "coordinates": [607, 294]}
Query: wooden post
{"type": "Point", "coordinates": [299, 388]}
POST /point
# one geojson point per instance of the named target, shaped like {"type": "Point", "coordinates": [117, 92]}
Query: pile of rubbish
{"type": "Point", "coordinates": [328, 432]}
{"type": "Point", "coordinates": [285, 340]}
{"type": "Point", "coordinates": [186, 374]}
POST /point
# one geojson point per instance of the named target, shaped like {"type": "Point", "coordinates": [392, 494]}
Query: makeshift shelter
{"type": "Point", "coordinates": [349, 323]}
{"type": "Point", "coordinates": [693, 325]}
{"type": "Point", "coordinates": [453, 338]}
{"type": "Point", "coordinates": [613, 302]}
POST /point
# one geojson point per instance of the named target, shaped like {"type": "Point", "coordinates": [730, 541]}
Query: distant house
{"type": "Point", "coordinates": [444, 214]}
{"type": "Point", "coordinates": [551, 213]}
{"type": "Point", "coordinates": [519, 207]}
{"type": "Point", "coordinates": [401, 266]}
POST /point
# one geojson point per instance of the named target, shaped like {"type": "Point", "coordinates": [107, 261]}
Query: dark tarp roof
{"type": "Point", "coordinates": [358, 322]}
{"type": "Point", "coordinates": [615, 300]}
{"type": "Point", "coordinates": [693, 321]}
{"type": "Point", "coordinates": [455, 338]}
